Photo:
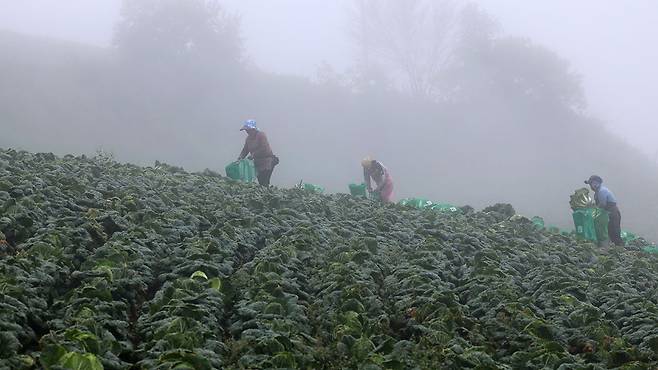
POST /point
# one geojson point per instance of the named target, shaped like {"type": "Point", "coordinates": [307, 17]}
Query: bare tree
{"type": "Point", "coordinates": [410, 40]}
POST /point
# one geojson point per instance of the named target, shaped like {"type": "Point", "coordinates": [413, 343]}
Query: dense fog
{"type": "Point", "coordinates": [455, 107]}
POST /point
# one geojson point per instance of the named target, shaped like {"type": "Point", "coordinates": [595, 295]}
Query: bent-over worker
{"type": "Point", "coordinates": [258, 146]}
{"type": "Point", "coordinates": [375, 170]}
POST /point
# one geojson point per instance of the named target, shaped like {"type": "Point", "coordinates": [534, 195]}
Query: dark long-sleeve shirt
{"type": "Point", "coordinates": [258, 146]}
{"type": "Point", "coordinates": [376, 172]}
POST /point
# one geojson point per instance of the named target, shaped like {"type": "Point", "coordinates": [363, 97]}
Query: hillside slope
{"type": "Point", "coordinates": [494, 146]}
{"type": "Point", "coordinates": [106, 265]}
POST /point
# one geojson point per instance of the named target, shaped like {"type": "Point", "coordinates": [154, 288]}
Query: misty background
{"type": "Point", "coordinates": [466, 102]}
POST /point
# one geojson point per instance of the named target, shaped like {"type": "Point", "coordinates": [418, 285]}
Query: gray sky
{"type": "Point", "coordinates": [611, 43]}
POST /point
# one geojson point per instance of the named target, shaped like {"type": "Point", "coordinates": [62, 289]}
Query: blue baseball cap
{"type": "Point", "coordinates": [249, 124]}
{"type": "Point", "coordinates": [594, 179]}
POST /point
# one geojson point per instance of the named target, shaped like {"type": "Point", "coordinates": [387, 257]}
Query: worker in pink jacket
{"type": "Point", "coordinates": [375, 170]}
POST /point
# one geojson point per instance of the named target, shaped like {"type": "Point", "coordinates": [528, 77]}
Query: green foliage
{"type": "Point", "coordinates": [125, 267]}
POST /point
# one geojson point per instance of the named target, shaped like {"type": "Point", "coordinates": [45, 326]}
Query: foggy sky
{"type": "Point", "coordinates": [611, 43]}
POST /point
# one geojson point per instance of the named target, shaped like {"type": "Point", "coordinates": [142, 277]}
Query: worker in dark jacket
{"type": "Point", "coordinates": [257, 145]}
{"type": "Point", "coordinates": [606, 200]}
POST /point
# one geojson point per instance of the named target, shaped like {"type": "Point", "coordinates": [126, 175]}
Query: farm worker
{"type": "Point", "coordinates": [376, 171]}
{"type": "Point", "coordinates": [606, 200]}
{"type": "Point", "coordinates": [258, 146]}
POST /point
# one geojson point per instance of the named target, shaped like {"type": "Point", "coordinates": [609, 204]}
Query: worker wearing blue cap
{"type": "Point", "coordinates": [258, 147]}
{"type": "Point", "coordinates": [605, 199]}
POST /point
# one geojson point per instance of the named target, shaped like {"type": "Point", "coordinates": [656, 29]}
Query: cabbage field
{"type": "Point", "coordinates": [114, 266]}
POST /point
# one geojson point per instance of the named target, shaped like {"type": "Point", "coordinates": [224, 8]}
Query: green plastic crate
{"type": "Point", "coordinates": [314, 188]}
{"type": "Point", "coordinates": [591, 224]}
{"type": "Point", "coordinates": [554, 230]}
{"type": "Point", "coordinates": [651, 249]}
{"type": "Point", "coordinates": [242, 170]}
{"type": "Point", "coordinates": [584, 223]}
{"type": "Point", "coordinates": [538, 222]}
{"type": "Point", "coordinates": [416, 203]}
{"type": "Point", "coordinates": [601, 220]}
{"type": "Point", "coordinates": [627, 236]}
{"type": "Point", "coordinates": [358, 190]}
{"type": "Point", "coordinates": [445, 207]}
